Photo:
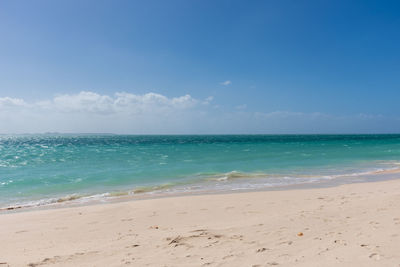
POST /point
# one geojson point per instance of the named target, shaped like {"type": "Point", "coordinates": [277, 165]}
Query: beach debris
{"type": "Point", "coordinates": [11, 208]}
{"type": "Point", "coordinates": [300, 234]}
{"type": "Point", "coordinates": [175, 240]}
{"type": "Point", "coordinates": [261, 250]}
{"type": "Point", "coordinates": [132, 246]}
{"type": "Point", "coordinates": [375, 256]}
{"type": "Point", "coordinates": [153, 227]}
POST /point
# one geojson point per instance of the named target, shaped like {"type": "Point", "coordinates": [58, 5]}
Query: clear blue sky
{"type": "Point", "coordinates": [334, 60]}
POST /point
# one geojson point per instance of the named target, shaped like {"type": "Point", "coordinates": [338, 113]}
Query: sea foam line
{"type": "Point", "coordinates": [207, 183]}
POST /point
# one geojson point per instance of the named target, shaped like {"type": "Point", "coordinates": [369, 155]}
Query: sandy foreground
{"type": "Point", "coordinates": [348, 225]}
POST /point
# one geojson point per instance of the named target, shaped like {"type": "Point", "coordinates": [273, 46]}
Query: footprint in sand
{"type": "Point", "coordinates": [199, 230]}
{"type": "Point", "coordinates": [60, 228]}
{"type": "Point", "coordinates": [182, 213]}
{"type": "Point", "coordinates": [228, 256]}
{"type": "Point", "coordinates": [22, 231]}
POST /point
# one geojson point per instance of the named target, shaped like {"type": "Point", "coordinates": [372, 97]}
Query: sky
{"type": "Point", "coordinates": [199, 67]}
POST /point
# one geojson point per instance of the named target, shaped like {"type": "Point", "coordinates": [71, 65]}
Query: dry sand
{"type": "Point", "coordinates": [348, 225]}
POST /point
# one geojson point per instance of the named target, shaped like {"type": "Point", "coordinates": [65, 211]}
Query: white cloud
{"type": "Point", "coordinates": [92, 112]}
{"type": "Point", "coordinates": [153, 113]}
{"type": "Point", "coordinates": [8, 102]}
{"type": "Point", "coordinates": [90, 102]}
{"type": "Point", "coordinates": [226, 83]}
{"type": "Point", "coordinates": [208, 100]}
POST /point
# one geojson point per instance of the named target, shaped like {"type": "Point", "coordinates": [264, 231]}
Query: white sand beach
{"type": "Point", "coordinates": [348, 225]}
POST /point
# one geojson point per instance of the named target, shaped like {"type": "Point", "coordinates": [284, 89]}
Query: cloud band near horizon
{"type": "Point", "coordinates": [151, 113]}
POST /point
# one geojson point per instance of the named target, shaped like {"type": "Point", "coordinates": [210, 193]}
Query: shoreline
{"type": "Point", "coordinates": [73, 201]}
{"type": "Point", "coordinates": [347, 225]}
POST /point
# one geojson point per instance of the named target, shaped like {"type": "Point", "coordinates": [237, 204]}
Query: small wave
{"type": "Point", "coordinates": [52, 201]}
{"type": "Point", "coordinates": [147, 189]}
{"type": "Point", "coordinates": [84, 198]}
{"type": "Point", "coordinates": [236, 175]}
{"type": "Point", "coordinates": [370, 172]}
{"type": "Point", "coordinates": [241, 175]}
{"type": "Point", "coordinates": [117, 194]}
{"type": "Point", "coordinates": [69, 198]}
{"type": "Point", "coordinates": [6, 182]}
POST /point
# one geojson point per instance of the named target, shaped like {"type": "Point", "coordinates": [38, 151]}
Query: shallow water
{"type": "Point", "coordinates": [42, 169]}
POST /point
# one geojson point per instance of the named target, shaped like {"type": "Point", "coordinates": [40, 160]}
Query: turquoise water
{"type": "Point", "coordinates": [42, 169]}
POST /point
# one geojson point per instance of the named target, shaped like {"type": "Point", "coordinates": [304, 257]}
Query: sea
{"type": "Point", "coordinates": [54, 169]}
